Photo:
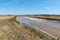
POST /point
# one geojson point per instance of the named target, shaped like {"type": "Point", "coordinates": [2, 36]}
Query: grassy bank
{"type": "Point", "coordinates": [14, 19]}
{"type": "Point", "coordinates": [10, 29]}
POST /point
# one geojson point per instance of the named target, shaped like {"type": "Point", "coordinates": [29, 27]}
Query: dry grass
{"type": "Point", "coordinates": [48, 17]}
{"type": "Point", "coordinates": [11, 30]}
{"type": "Point", "coordinates": [6, 17]}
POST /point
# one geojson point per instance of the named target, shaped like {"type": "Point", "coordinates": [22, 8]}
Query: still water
{"type": "Point", "coordinates": [54, 24]}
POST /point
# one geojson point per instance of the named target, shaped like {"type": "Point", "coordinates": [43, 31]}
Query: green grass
{"type": "Point", "coordinates": [4, 22]}
{"type": "Point", "coordinates": [14, 19]}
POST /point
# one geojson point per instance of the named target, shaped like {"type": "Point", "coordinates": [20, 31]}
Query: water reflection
{"type": "Point", "coordinates": [55, 24]}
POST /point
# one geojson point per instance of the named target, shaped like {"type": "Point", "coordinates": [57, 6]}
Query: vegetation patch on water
{"type": "Point", "coordinates": [53, 18]}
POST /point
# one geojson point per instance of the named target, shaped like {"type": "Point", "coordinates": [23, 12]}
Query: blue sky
{"type": "Point", "coordinates": [19, 7]}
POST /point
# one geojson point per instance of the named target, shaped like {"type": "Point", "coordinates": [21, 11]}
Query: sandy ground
{"type": "Point", "coordinates": [48, 29]}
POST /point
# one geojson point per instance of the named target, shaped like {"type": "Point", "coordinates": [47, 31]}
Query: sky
{"type": "Point", "coordinates": [24, 7]}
